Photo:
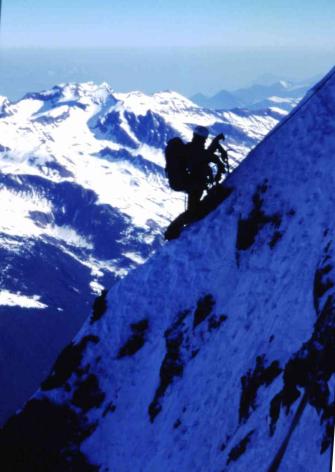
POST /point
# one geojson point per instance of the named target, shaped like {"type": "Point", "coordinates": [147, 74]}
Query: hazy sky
{"type": "Point", "coordinates": [200, 45]}
{"type": "Point", "coordinates": [228, 23]}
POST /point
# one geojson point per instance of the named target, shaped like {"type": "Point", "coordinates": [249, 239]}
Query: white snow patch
{"type": "Point", "coordinates": [133, 256]}
{"type": "Point", "coordinates": [15, 211]}
{"type": "Point", "coordinates": [69, 236]}
{"type": "Point", "coordinates": [8, 298]}
{"type": "Point", "coordinates": [96, 287]}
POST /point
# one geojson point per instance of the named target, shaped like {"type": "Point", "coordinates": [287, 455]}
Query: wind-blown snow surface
{"type": "Point", "coordinates": [218, 353]}
{"type": "Point", "coordinates": [83, 200]}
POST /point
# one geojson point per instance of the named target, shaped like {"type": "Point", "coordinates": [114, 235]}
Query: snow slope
{"type": "Point", "coordinates": [83, 200]}
{"type": "Point", "coordinates": [217, 354]}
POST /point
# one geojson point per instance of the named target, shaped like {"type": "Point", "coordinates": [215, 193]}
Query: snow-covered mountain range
{"type": "Point", "coordinates": [217, 353]}
{"type": "Point", "coordinates": [84, 200]}
{"type": "Point", "coordinates": [282, 93]}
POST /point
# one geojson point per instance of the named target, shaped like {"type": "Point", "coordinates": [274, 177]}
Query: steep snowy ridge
{"type": "Point", "coordinates": [217, 354]}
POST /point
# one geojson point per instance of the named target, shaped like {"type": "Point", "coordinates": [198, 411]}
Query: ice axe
{"type": "Point", "coordinates": [216, 146]}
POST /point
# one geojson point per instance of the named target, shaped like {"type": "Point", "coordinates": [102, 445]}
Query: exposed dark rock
{"type": "Point", "coordinates": [309, 371]}
{"type": "Point", "coordinates": [194, 353]}
{"type": "Point", "coordinates": [68, 363]}
{"type": "Point", "coordinates": [204, 308]}
{"type": "Point", "coordinates": [183, 344]}
{"type": "Point", "coordinates": [45, 437]}
{"type": "Point", "coordinates": [215, 322]}
{"type": "Point", "coordinates": [275, 411]}
{"type": "Point", "coordinates": [177, 423]}
{"type": "Point", "coordinates": [278, 457]}
{"type": "Point", "coordinates": [110, 408]}
{"type": "Point", "coordinates": [99, 306]}
{"type": "Point", "coordinates": [240, 448]}
{"type": "Point", "coordinates": [172, 365]}
{"type": "Point", "coordinates": [88, 394]}
{"type": "Point", "coordinates": [252, 381]}
{"type": "Point", "coordinates": [322, 284]}
{"type": "Point", "coordinates": [291, 212]}
{"type": "Point", "coordinates": [249, 228]}
{"type": "Point", "coordinates": [275, 238]}
{"type": "Point", "coordinates": [264, 187]}
{"type": "Point", "coordinates": [224, 443]}
{"type": "Point", "coordinates": [328, 417]}
{"type": "Point", "coordinates": [136, 340]}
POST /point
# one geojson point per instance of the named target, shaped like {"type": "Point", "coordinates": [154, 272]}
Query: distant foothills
{"type": "Point", "coordinates": [270, 91]}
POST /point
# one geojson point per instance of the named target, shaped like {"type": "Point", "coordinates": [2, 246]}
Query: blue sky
{"type": "Point", "coordinates": [134, 23]}
{"type": "Point", "coordinates": [187, 45]}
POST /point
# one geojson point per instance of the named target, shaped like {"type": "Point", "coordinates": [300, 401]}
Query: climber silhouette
{"type": "Point", "coordinates": [189, 170]}
{"type": "Point", "coordinates": [198, 160]}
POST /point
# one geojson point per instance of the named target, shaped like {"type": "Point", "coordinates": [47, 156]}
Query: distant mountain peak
{"type": "Point", "coordinates": [250, 97]}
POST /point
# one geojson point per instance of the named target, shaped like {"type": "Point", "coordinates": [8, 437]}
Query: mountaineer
{"type": "Point", "coordinates": [189, 170]}
{"type": "Point", "coordinates": [188, 165]}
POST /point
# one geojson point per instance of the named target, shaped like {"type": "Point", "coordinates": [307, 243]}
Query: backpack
{"type": "Point", "coordinates": [176, 165]}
